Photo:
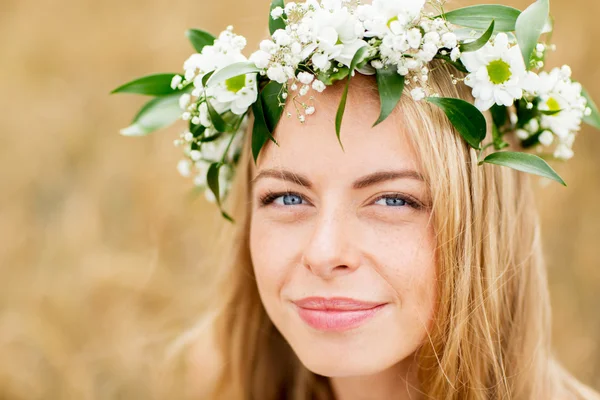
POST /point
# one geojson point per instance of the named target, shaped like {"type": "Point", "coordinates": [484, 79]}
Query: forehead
{"type": "Point", "coordinates": [312, 146]}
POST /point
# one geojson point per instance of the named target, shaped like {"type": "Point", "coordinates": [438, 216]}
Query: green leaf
{"type": "Point", "coordinates": [199, 39]}
{"type": "Point", "coordinates": [594, 118]}
{"type": "Point", "coordinates": [497, 140]}
{"type": "Point", "coordinates": [529, 27]}
{"type": "Point", "coordinates": [216, 118]}
{"type": "Point", "coordinates": [340, 112]}
{"type": "Point", "coordinates": [479, 42]}
{"type": "Point", "coordinates": [525, 162]}
{"type": "Point", "coordinates": [329, 77]}
{"type": "Point", "coordinates": [549, 112]}
{"type": "Point", "coordinates": [272, 111]}
{"type": "Point", "coordinates": [231, 71]}
{"type": "Point", "coordinates": [260, 130]}
{"type": "Point", "coordinates": [212, 179]}
{"type": "Point", "coordinates": [279, 23]}
{"type": "Point", "coordinates": [480, 17]}
{"type": "Point", "coordinates": [157, 113]}
{"type": "Point", "coordinates": [153, 85]}
{"type": "Point", "coordinates": [465, 117]}
{"type": "Point", "coordinates": [499, 115]}
{"type": "Point", "coordinates": [390, 85]}
{"type": "Point", "coordinates": [206, 77]}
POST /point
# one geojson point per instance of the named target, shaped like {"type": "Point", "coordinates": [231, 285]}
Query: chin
{"type": "Point", "coordinates": [342, 367]}
{"type": "Point", "coordinates": [345, 358]}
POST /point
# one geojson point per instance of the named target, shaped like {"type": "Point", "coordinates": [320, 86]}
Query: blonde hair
{"type": "Point", "coordinates": [491, 335]}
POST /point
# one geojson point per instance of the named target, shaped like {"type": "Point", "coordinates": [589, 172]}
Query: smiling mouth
{"type": "Point", "coordinates": [336, 314]}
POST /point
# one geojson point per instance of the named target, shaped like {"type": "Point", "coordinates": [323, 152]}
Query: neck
{"type": "Point", "coordinates": [398, 382]}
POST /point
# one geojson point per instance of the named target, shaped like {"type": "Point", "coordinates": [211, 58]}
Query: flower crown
{"type": "Point", "coordinates": [313, 44]}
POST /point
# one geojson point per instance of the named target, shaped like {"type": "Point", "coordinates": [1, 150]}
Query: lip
{"type": "Point", "coordinates": [337, 313]}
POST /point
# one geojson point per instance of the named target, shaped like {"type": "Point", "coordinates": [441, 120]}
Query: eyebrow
{"type": "Point", "coordinates": [361, 183]}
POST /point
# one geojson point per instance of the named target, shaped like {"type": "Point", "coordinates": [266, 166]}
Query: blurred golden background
{"type": "Point", "coordinates": [103, 253]}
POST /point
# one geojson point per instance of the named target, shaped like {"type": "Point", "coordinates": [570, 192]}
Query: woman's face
{"type": "Point", "coordinates": [341, 240]}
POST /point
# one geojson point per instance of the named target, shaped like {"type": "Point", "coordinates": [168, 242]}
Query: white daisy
{"type": "Point", "coordinates": [497, 73]}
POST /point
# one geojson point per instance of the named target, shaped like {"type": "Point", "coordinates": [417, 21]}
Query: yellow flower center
{"type": "Point", "coordinates": [499, 71]}
{"type": "Point", "coordinates": [236, 83]}
{"type": "Point", "coordinates": [553, 104]}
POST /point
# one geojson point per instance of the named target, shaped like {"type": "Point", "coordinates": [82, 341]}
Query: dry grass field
{"type": "Point", "coordinates": [104, 256]}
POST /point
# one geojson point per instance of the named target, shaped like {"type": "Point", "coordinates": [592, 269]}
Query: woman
{"type": "Point", "coordinates": [394, 268]}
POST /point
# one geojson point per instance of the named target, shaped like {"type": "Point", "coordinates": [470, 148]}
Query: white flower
{"type": "Point", "coordinates": [318, 85]}
{"type": "Point", "coordinates": [305, 78]}
{"type": "Point", "coordinates": [563, 152]}
{"type": "Point", "coordinates": [522, 134]}
{"type": "Point", "coordinates": [188, 136]}
{"type": "Point", "coordinates": [184, 167]}
{"type": "Point", "coordinates": [546, 138]}
{"type": "Point", "coordinates": [184, 101]}
{"type": "Point", "coordinates": [282, 38]}
{"type": "Point", "coordinates": [449, 40]}
{"type": "Point", "coordinates": [277, 73]}
{"type": "Point", "coordinates": [338, 34]}
{"type": "Point", "coordinates": [455, 54]}
{"type": "Point", "coordinates": [276, 13]}
{"type": "Point", "coordinates": [414, 37]}
{"type": "Point", "coordinates": [377, 64]}
{"type": "Point", "coordinates": [203, 114]}
{"type": "Point", "coordinates": [236, 94]}
{"type": "Point", "coordinates": [389, 16]}
{"type": "Point", "coordinates": [557, 93]}
{"type": "Point", "coordinates": [261, 59]}
{"type": "Point", "coordinates": [432, 37]}
{"type": "Point", "coordinates": [195, 155]}
{"type": "Point", "coordinates": [310, 110]}
{"type": "Point", "coordinates": [497, 73]}
{"type": "Point", "coordinates": [176, 81]}
{"type": "Point", "coordinates": [417, 94]}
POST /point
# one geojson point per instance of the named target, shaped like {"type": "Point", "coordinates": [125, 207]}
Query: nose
{"type": "Point", "coordinates": [332, 248]}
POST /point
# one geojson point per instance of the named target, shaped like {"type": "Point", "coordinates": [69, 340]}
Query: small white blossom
{"type": "Point", "coordinates": [417, 94]}
{"type": "Point", "coordinates": [176, 81]}
{"type": "Point", "coordinates": [184, 167]}
{"type": "Point", "coordinates": [522, 134]}
{"type": "Point", "coordinates": [305, 78]}
{"type": "Point", "coordinates": [546, 138]}
{"type": "Point", "coordinates": [184, 101]}
{"type": "Point", "coordinates": [377, 64]}
{"type": "Point", "coordinates": [195, 155]}
{"type": "Point", "coordinates": [310, 110]}
{"type": "Point", "coordinates": [449, 40]}
{"type": "Point", "coordinates": [276, 73]}
{"type": "Point", "coordinates": [276, 13]}
{"type": "Point", "coordinates": [455, 54]}
{"type": "Point", "coordinates": [318, 86]}
{"type": "Point", "coordinates": [563, 152]}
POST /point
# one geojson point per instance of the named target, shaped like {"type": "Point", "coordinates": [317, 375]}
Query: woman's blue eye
{"type": "Point", "coordinates": [391, 201]}
{"type": "Point", "coordinates": [288, 200]}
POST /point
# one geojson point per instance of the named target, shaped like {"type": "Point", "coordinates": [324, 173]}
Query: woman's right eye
{"type": "Point", "coordinates": [283, 199]}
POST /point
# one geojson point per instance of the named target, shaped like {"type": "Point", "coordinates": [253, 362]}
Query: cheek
{"type": "Point", "coordinates": [272, 254]}
{"type": "Point", "coordinates": [406, 260]}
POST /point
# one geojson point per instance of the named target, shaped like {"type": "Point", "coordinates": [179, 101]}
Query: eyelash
{"type": "Point", "coordinates": [269, 198]}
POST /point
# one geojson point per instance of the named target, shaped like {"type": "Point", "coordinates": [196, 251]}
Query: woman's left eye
{"type": "Point", "coordinates": [393, 201]}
